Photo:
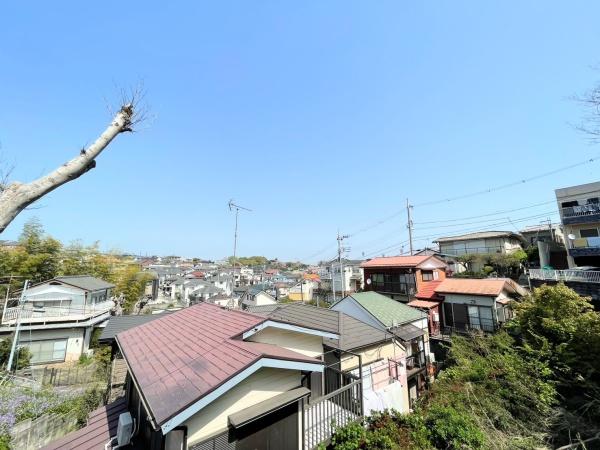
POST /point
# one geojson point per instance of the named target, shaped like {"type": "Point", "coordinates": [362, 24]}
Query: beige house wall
{"type": "Point", "coordinates": [305, 344]}
{"type": "Point", "coordinates": [258, 387]}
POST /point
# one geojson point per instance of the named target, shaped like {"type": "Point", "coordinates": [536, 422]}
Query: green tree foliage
{"type": "Point", "coordinates": [131, 285]}
{"type": "Point", "coordinates": [23, 356]}
{"type": "Point", "coordinates": [248, 261]}
{"type": "Point", "coordinates": [79, 259]}
{"type": "Point", "coordinates": [490, 397]}
{"type": "Point", "coordinates": [37, 257]}
{"type": "Point", "coordinates": [558, 326]}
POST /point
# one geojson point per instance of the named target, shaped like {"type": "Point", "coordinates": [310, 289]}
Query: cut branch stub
{"type": "Point", "coordinates": [17, 196]}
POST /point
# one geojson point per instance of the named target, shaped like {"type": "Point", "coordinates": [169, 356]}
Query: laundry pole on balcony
{"type": "Point", "coordinates": [17, 329]}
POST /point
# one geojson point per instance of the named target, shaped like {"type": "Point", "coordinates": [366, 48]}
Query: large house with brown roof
{"type": "Point", "coordinates": [402, 277]}
{"type": "Point", "coordinates": [207, 376]}
{"type": "Point", "coordinates": [477, 304]}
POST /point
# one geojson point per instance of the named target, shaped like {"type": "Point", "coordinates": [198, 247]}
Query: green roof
{"type": "Point", "coordinates": [389, 312]}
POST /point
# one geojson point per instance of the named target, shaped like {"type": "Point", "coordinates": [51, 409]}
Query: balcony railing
{"type": "Point", "coordinates": [474, 324]}
{"type": "Point", "coordinates": [31, 314]}
{"type": "Point", "coordinates": [586, 276]}
{"type": "Point", "coordinates": [590, 209]}
{"type": "Point", "coordinates": [416, 360]}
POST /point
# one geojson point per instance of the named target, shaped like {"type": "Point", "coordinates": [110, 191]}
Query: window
{"type": "Point", "coordinates": [568, 204]}
{"type": "Point", "coordinates": [427, 275]}
{"type": "Point", "coordinates": [481, 317]}
{"type": "Point", "coordinates": [593, 201]}
{"type": "Point", "coordinates": [47, 351]}
{"type": "Point", "coordinates": [588, 232]}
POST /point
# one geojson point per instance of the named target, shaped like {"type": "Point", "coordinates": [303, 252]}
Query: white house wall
{"type": "Point", "coordinates": [76, 344]}
{"type": "Point", "coordinates": [50, 292]}
{"type": "Point", "coordinates": [261, 299]}
{"type": "Point", "coordinates": [349, 306]}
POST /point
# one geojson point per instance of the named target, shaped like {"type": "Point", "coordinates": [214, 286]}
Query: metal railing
{"type": "Point", "coordinates": [29, 312]}
{"type": "Point", "coordinates": [336, 409]}
{"type": "Point", "coordinates": [416, 361]}
{"type": "Point", "coordinates": [586, 276]}
{"type": "Point", "coordinates": [581, 210]}
{"type": "Point", "coordinates": [474, 324]}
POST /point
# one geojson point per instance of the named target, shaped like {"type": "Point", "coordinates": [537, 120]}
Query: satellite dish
{"type": "Point", "coordinates": [571, 236]}
{"type": "Point", "coordinates": [368, 281]}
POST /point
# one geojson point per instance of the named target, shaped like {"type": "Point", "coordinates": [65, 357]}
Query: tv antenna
{"type": "Point", "coordinates": [237, 208]}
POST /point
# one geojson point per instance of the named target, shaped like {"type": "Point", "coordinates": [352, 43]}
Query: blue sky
{"type": "Point", "coordinates": [317, 115]}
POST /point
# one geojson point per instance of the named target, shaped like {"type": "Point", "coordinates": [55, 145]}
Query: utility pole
{"type": "Point", "coordinates": [333, 282]}
{"type": "Point", "coordinates": [341, 250]}
{"type": "Point", "coordinates": [6, 299]}
{"type": "Point", "coordinates": [17, 329]}
{"type": "Point", "coordinates": [237, 208]}
{"type": "Point", "coordinates": [410, 226]}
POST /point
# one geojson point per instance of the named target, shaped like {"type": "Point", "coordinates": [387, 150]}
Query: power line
{"type": "Point", "coordinates": [476, 222]}
{"type": "Point", "coordinates": [472, 194]}
{"type": "Point", "coordinates": [491, 226]}
{"type": "Point", "coordinates": [485, 228]}
{"type": "Point", "coordinates": [398, 244]}
{"type": "Point", "coordinates": [488, 214]}
{"type": "Point", "coordinates": [508, 185]}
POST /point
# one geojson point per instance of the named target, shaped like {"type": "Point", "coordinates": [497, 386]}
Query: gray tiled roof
{"type": "Point", "coordinates": [116, 324]}
{"type": "Point", "coordinates": [353, 333]}
{"type": "Point", "coordinates": [86, 282]}
{"type": "Point", "coordinates": [262, 309]}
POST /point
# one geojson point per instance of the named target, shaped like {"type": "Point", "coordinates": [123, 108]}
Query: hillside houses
{"type": "Point", "coordinates": [57, 317]}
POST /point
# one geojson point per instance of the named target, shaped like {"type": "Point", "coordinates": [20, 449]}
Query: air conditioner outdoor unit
{"type": "Point", "coordinates": [124, 429]}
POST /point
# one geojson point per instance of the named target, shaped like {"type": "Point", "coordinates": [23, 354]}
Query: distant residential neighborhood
{"type": "Point", "coordinates": [220, 354]}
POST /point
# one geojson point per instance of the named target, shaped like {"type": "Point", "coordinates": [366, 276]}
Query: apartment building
{"type": "Point", "coordinates": [579, 208]}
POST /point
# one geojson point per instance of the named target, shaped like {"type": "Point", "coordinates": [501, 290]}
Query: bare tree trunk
{"type": "Point", "coordinates": [17, 196]}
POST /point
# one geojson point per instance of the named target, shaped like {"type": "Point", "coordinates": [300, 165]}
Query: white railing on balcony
{"type": "Point", "coordinates": [586, 276]}
{"type": "Point", "coordinates": [29, 313]}
{"type": "Point", "coordinates": [581, 210]}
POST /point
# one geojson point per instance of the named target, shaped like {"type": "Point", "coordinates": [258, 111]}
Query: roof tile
{"type": "Point", "coordinates": [476, 286]}
{"type": "Point", "coordinates": [179, 358]}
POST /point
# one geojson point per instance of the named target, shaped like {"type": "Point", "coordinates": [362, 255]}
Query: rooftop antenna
{"type": "Point", "coordinates": [237, 208]}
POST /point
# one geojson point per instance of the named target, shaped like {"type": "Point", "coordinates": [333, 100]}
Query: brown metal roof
{"type": "Point", "coordinates": [178, 359]}
{"type": "Point", "coordinates": [423, 304]}
{"type": "Point", "coordinates": [395, 261]}
{"type": "Point", "coordinates": [101, 426]}
{"type": "Point", "coordinates": [476, 286]}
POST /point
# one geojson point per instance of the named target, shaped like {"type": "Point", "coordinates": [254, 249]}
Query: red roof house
{"type": "Point", "coordinates": [187, 368]}
{"type": "Point", "coordinates": [402, 277]}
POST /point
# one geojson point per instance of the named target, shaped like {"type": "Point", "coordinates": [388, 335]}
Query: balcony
{"type": "Point", "coordinates": [581, 213]}
{"type": "Point", "coordinates": [585, 276]}
{"type": "Point", "coordinates": [34, 315]}
{"type": "Point", "coordinates": [585, 247]}
{"type": "Point", "coordinates": [415, 363]}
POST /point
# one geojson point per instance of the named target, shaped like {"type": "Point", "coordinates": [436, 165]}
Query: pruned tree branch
{"type": "Point", "coordinates": [590, 125]}
{"type": "Point", "coordinates": [15, 197]}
